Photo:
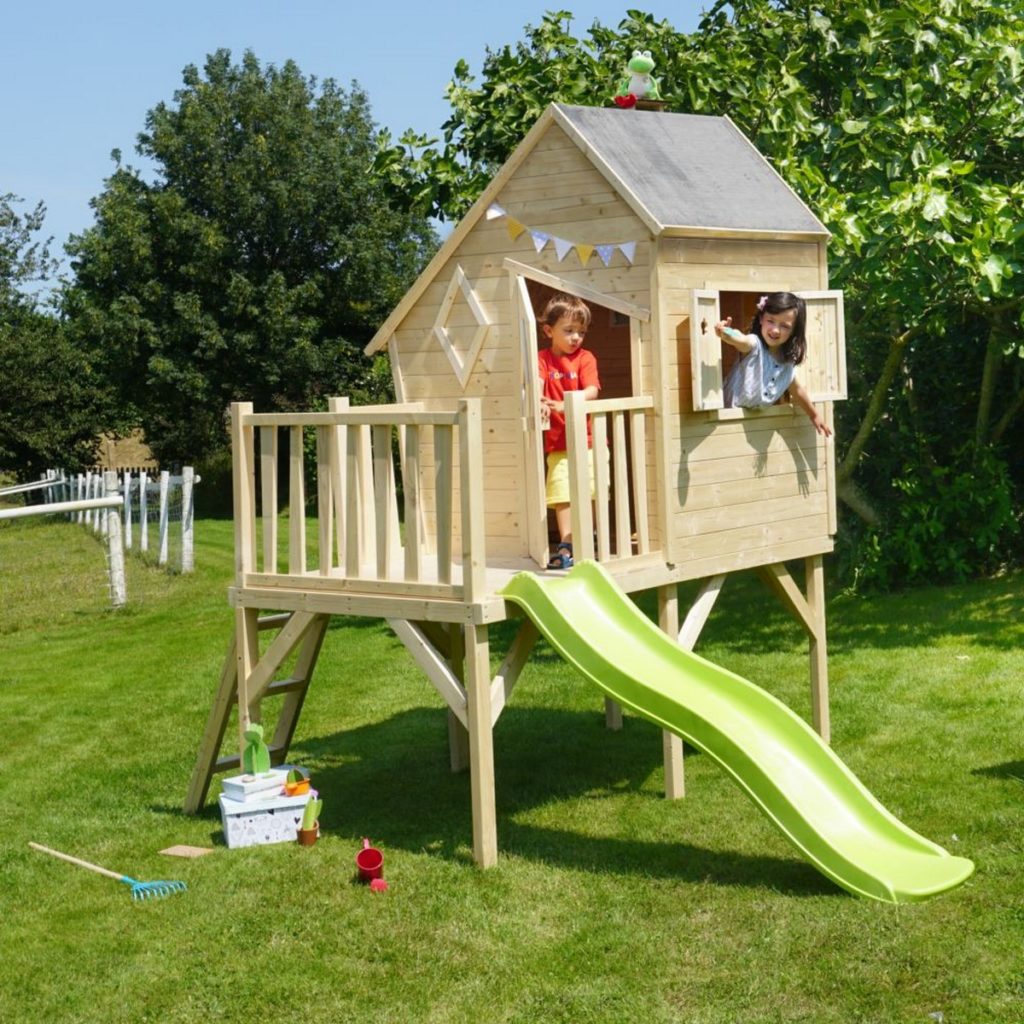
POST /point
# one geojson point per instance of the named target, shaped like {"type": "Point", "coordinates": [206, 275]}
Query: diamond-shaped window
{"type": "Point", "coordinates": [462, 365]}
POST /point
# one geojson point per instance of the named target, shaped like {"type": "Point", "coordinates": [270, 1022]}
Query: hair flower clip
{"type": "Point", "coordinates": [762, 302]}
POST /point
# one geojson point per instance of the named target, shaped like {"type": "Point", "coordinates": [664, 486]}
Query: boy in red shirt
{"type": "Point", "coordinates": [565, 366]}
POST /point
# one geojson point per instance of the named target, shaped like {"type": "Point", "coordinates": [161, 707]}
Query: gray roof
{"type": "Point", "coordinates": [690, 170]}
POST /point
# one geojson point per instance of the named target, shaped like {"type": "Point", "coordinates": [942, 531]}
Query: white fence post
{"type": "Point", "coordinates": [143, 511]}
{"type": "Point", "coordinates": [165, 480]}
{"type": "Point", "coordinates": [118, 589]}
{"type": "Point", "coordinates": [187, 482]}
{"type": "Point", "coordinates": [127, 484]}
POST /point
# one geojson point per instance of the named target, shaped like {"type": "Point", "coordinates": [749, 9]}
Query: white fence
{"type": "Point", "coordinates": [105, 509]}
{"type": "Point", "coordinates": [160, 502]}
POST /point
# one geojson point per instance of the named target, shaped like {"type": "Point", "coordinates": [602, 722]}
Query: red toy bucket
{"type": "Point", "coordinates": [370, 862]}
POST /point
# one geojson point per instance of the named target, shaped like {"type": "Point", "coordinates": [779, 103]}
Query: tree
{"type": "Point", "coordinates": [258, 263]}
{"type": "Point", "coordinates": [50, 404]}
{"type": "Point", "coordinates": [900, 124]}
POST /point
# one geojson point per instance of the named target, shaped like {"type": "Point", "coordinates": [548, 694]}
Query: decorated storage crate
{"type": "Point", "coordinates": [255, 822]}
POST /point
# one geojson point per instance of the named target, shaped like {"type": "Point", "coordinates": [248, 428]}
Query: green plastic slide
{"type": "Point", "coordinates": [772, 754]}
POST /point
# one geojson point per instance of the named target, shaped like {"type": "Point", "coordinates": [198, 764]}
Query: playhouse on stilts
{"type": "Point", "coordinates": [664, 224]}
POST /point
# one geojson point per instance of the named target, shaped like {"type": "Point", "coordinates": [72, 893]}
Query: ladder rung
{"type": "Point", "coordinates": [288, 685]}
{"type": "Point", "coordinates": [273, 621]}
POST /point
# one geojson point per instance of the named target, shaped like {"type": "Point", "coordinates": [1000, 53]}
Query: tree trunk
{"type": "Point", "coordinates": [876, 404]}
{"type": "Point", "coordinates": [989, 376]}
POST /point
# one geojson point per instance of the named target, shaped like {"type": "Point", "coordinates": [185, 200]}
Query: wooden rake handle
{"type": "Point", "coordinates": [75, 860]}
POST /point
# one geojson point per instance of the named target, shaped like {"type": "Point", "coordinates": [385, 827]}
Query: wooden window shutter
{"type": "Point", "coordinates": [823, 371]}
{"type": "Point", "coordinates": [705, 350]}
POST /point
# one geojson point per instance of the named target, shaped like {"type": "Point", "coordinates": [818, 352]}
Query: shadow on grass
{"type": "Point", "coordinates": [392, 781]}
{"type": "Point", "coordinates": [987, 613]}
{"type": "Point", "coordinates": [1009, 770]}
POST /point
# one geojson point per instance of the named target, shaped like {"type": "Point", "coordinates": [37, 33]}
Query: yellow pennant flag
{"type": "Point", "coordinates": [584, 252]}
{"type": "Point", "coordinates": [515, 229]}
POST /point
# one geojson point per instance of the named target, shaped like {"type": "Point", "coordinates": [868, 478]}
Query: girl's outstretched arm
{"type": "Point", "coordinates": [743, 343]}
{"type": "Point", "coordinates": [801, 398]}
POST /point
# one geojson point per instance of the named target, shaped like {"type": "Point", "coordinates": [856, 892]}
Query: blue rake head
{"type": "Point", "coordinates": [152, 890]}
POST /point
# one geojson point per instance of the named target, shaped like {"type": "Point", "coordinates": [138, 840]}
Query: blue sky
{"type": "Point", "coordinates": [77, 77]}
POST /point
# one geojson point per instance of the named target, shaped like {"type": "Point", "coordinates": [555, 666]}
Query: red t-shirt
{"type": "Point", "coordinates": [574, 372]}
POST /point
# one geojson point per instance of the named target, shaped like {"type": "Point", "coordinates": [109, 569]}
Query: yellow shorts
{"type": "Point", "coordinates": [558, 477]}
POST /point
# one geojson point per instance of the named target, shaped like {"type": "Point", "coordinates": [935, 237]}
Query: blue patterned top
{"type": "Point", "coordinates": [758, 379]}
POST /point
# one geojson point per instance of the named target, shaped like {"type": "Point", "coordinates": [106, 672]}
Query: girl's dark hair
{"type": "Point", "coordinates": [795, 348]}
{"type": "Point", "coordinates": [560, 305]}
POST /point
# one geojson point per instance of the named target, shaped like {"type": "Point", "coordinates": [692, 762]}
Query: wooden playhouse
{"type": "Point", "coordinates": [421, 511]}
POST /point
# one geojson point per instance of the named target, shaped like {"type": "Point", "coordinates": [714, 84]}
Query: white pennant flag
{"type": "Point", "coordinates": [562, 248]}
{"type": "Point", "coordinates": [540, 239]}
{"type": "Point", "coordinates": [605, 252]}
{"type": "Point", "coordinates": [628, 250]}
{"type": "Point", "coordinates": [494, 211]}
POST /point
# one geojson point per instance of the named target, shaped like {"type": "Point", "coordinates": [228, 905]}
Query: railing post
{"type": "Point", "coordinates": [471, 475]}
{"type": "Point", "coordinates": [244, 488]}
{"type": "Point", "coordinates": [579, 475]}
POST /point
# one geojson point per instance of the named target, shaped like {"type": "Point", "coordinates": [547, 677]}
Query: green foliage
{"type": "Point", "coordinates": [52, 405]}
{"type": "Point", "coordinates": [900, 125]}
{"type": "Point", "coordinates": [946, 524]}
{"type": "Point", "coordinates": [24, 259]}
{"type": "Point", "coordinates": [255, 267]}
{"type": "Point", "coordinates": [51, 401]}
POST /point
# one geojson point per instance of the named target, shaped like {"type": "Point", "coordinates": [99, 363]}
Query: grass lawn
{"type": "Point", "coordinates": [608, 904]}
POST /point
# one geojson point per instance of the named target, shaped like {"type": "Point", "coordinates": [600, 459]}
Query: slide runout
{"type": "Point", "coordinates": [773, 755]}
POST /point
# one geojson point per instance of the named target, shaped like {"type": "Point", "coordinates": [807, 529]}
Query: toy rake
{"type": "Point", "coordinates": [140, 890]}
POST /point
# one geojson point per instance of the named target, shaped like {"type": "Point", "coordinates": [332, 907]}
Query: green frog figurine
{"type": "Point", "coordinates": [639, 84]}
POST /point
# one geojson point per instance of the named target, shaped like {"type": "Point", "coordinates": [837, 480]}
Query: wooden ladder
{"type": "Point", "coordinates": [303, 630]}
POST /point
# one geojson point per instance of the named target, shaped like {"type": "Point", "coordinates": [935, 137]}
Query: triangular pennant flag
{"type": "Point", "coordinates": [584, 252]}
{"type": "Point", "coordinates": [540, 239]}
{"type": "Point", "coordinates": [605, 252]}
{"type": "Point", "coordinates": [562, 247]}
{"type": "Point", "coordinates": [628, 250]}
{"type": "Point", "coordinates": [494, 211]}
{"type": "Point", "coordinates": [515, 229]}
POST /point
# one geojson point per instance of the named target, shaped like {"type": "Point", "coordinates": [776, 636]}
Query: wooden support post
{"type": "Point", "coordinates": [213, 734]}
{"type": "Point", "coordinates": [809, 611]}
{"type": "Point", "coordinates": [458, 734]}
{"type": "Point", "coordinates": [247, 653]}
{"type": "Point", "coordinates": [672, 745]}
{"type": "Point", "coordinates": [481, 745]}
{"type": "Point", "coordinates": [819, 648]}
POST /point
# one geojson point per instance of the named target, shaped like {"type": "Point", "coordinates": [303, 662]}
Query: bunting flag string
{"type": "Point", "coordinates": [563, 246]}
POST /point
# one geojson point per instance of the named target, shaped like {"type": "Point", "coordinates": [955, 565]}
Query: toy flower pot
{"type": "Point", "coordinates": [308, 836]}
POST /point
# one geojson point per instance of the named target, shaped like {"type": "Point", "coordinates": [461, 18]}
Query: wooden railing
{"type": "Point", "coordinates": [620, 485]}
{"type": "Point", "coordinates": [360, 547]}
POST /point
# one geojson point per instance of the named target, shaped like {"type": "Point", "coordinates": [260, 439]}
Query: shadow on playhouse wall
{"type": "Point", "coordinates": [663, 223]}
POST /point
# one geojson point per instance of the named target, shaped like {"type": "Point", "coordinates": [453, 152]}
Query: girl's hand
{"type": "Point", "coordinates": [722, 324]}
{"type": "Point", "coordinates": [820, 425]}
